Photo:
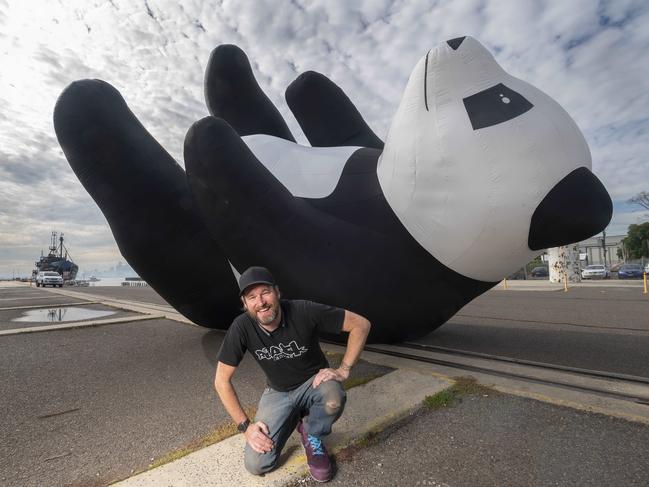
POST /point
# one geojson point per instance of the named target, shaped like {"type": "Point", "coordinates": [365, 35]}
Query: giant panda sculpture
{"type": "Point", "coordinates": [479, 172]}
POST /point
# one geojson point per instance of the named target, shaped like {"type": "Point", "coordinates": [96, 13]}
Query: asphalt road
{"type": "Point", "coordinates": [89, 406]}
{"type": "Point", "coordinates": [593, 328]}
{"type": "Point", "coordinates": [144, 293]}
{"type": "Point", "coordinates": [601, 328]}
{"type": "Point", "coordinates": [492, 440]}
{"type": "Point", "coordinates": [31, 296]}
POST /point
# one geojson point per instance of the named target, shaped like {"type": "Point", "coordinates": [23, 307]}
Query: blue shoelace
{"type": "Point", "coordinates": [316, 445]}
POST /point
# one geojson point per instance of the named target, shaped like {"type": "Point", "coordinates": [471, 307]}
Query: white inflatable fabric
{"type": "Point", "coordinates": [467, 195]}
{"type": "Point", "coordinates": [480, 171]}
{"type": "Point", "coordinates": [307, 172]}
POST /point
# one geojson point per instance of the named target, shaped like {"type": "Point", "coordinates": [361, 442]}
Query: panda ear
{"type": "Point", "coordinates": [326, 115]}
{"type": "Point", "coordinates": [233, 94]}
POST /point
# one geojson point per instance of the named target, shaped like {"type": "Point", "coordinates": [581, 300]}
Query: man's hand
{"type": "Point", "coordinates": [324, 375]}
{"type": "Point", "coordinates": [257, 437]}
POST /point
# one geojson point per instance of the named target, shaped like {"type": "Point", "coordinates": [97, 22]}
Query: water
{"type": "Point", "coordinates": [55, 315]}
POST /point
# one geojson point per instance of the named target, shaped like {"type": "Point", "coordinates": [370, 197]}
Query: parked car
{"type": "Point", "coordinates": [630, 271]}
{"type": "Point", "coordinates": [646, 268]}
{"type": "Point", "coordinates": [49, 278]}
{"type": "Point", "coordinates": [517, 276]}
{"type": "Point", "coordinates": [541, 271]}
{"type": "Point", "coordinates": [595, 271]}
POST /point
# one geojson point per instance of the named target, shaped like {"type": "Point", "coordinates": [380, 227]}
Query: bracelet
{"type": "Point", "coordinates": [344, 366]}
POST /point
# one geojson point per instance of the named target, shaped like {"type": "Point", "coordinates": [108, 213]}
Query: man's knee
{"type": "Point", "coordinates": [332, 406]}
{"type": "Point", "coordinates": [333, 397]}
{"type": "Point", "coordinates": [259, 463]}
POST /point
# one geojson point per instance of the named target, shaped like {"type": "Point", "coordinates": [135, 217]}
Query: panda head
{"type": "Point", "coordinates": [485, 170]}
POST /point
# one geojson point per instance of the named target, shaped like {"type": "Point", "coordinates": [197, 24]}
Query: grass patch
{"type": "Point", "coordinates": [367, 439]}
{"type": "Point", "coordinates": [374, 436]}
{"type": "Point", "coordinates": [442, 399]}
{"type": "Point", "coordinates": [359, 380]}
{"type": "Point", "coordinates": [356, 377]}
{"type": "Point", "coordinates": [348, 452]}
{"type": "Point", "coordinates": [219, 434]}
{"type": "Point", "coordinates": [463, 386]}
{"type": "Point", "coordinates": [336, 357]}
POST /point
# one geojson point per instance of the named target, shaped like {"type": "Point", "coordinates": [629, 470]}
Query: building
{"type": "Point", "coordinates": [592, 250]}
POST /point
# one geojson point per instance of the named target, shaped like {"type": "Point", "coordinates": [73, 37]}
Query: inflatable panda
{"type": "Point", "coordinates": [479, 172]}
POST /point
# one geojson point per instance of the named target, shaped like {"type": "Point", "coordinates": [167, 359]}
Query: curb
{"type": "Point", "coordinates": [370, 408]}
{"type": "Point", "coordinates": [78, 324]}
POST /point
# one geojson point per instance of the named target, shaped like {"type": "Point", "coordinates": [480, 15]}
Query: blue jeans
{"type": "Point", "coordinates": [281, 411]}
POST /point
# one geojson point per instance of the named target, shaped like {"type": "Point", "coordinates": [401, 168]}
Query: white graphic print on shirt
{"type": "Point", "coordinates": [281, 351]}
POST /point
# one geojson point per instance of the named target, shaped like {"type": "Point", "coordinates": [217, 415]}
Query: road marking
{"type": "Point", "coordinates": [20, 299]}
{"type": "Point", "coordinates": [137, 306]}
{"type": "Point", "coordinates": [79, 324]}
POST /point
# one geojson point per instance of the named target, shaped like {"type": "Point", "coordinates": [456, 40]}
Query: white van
{"type": "Point", "coordinates": [49, 278]}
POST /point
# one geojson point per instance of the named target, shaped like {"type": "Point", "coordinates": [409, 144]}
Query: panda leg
{"type": "Point", "coordinates": [233, 94]}
{"type": "Point", "coordinates": [144, 195]}
{"type": "Point", "coordinates": [312, 254]}
{"type": "Point", "coordinates": [327, 116]}
{"type": "Point", "coordinates": [238, 197]}
{"type": "Point", "coordinates": [252, 215]}
{"type": "Point", "coordinates": [257, 221]}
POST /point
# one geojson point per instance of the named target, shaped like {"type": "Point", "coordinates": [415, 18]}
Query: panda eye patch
{"type": "Point", "coordinates": [495, 105]}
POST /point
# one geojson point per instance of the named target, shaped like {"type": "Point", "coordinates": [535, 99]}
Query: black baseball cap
{"type": "Point", "coordinates": [255, 275]}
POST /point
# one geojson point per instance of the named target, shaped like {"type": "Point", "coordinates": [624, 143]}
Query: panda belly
{"type": "Point", "coordinates": [307, 172]}
{"type": "Point", "coordinates": [346, 190]}
{"type": "Point", "coordinates": [339, 181]}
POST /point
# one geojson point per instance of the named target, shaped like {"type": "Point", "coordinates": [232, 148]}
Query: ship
{"type": "Point", "coordinates": [58, 260]}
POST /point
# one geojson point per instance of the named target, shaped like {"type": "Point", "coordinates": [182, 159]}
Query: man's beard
{"type": "Point", "coordinates": [267, 318]}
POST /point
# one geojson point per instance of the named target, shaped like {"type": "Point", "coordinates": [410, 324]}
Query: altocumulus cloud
{"type": "Point", "coordinates": [590, 56]}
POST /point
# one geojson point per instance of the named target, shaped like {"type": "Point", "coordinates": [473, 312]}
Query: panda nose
{"type": "Point", "coordinates": [576, 208]}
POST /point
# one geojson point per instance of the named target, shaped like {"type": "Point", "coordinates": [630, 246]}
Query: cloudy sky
{"type": "Point", "coordinates": [591, 56]}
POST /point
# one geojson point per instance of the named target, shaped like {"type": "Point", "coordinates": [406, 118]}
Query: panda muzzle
{"type": "Point", "coordinates": [576, 208]}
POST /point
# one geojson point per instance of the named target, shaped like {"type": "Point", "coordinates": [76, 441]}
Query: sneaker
{"type": "Point", "coordinates": [316, 455]}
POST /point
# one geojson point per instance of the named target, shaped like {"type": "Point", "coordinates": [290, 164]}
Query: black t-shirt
{"type": "Point", "coordinates": [291, 354]}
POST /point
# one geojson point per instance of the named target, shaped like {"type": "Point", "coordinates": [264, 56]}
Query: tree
{"type": "Point", "coordinates": [636, 242]}
{"type": "Point", "coordinates": [641, 199]}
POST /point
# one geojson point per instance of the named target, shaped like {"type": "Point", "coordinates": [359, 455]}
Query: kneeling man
{"type": "Point", "coordinates": [301, 389]}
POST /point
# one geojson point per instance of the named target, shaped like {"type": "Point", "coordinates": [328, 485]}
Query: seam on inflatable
{"type": "Point", "coordinates": [426, 81]}
{"type": "Point", "coordinates": [354, 135]}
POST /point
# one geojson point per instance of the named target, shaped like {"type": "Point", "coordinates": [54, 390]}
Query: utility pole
{"type": "Point", "coordinates": [564, 263]}
{"type": "Point", "coordinates": [604, 246]}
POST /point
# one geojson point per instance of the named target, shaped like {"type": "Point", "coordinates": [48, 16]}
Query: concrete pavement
{"type": "Point", "coordinates": [484, 440]}
{"type": "Point", "coordinates": [369, 409]}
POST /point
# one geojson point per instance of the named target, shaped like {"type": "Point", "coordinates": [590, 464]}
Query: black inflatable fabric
{"type": "Point", "coordinates": [180, 231]}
